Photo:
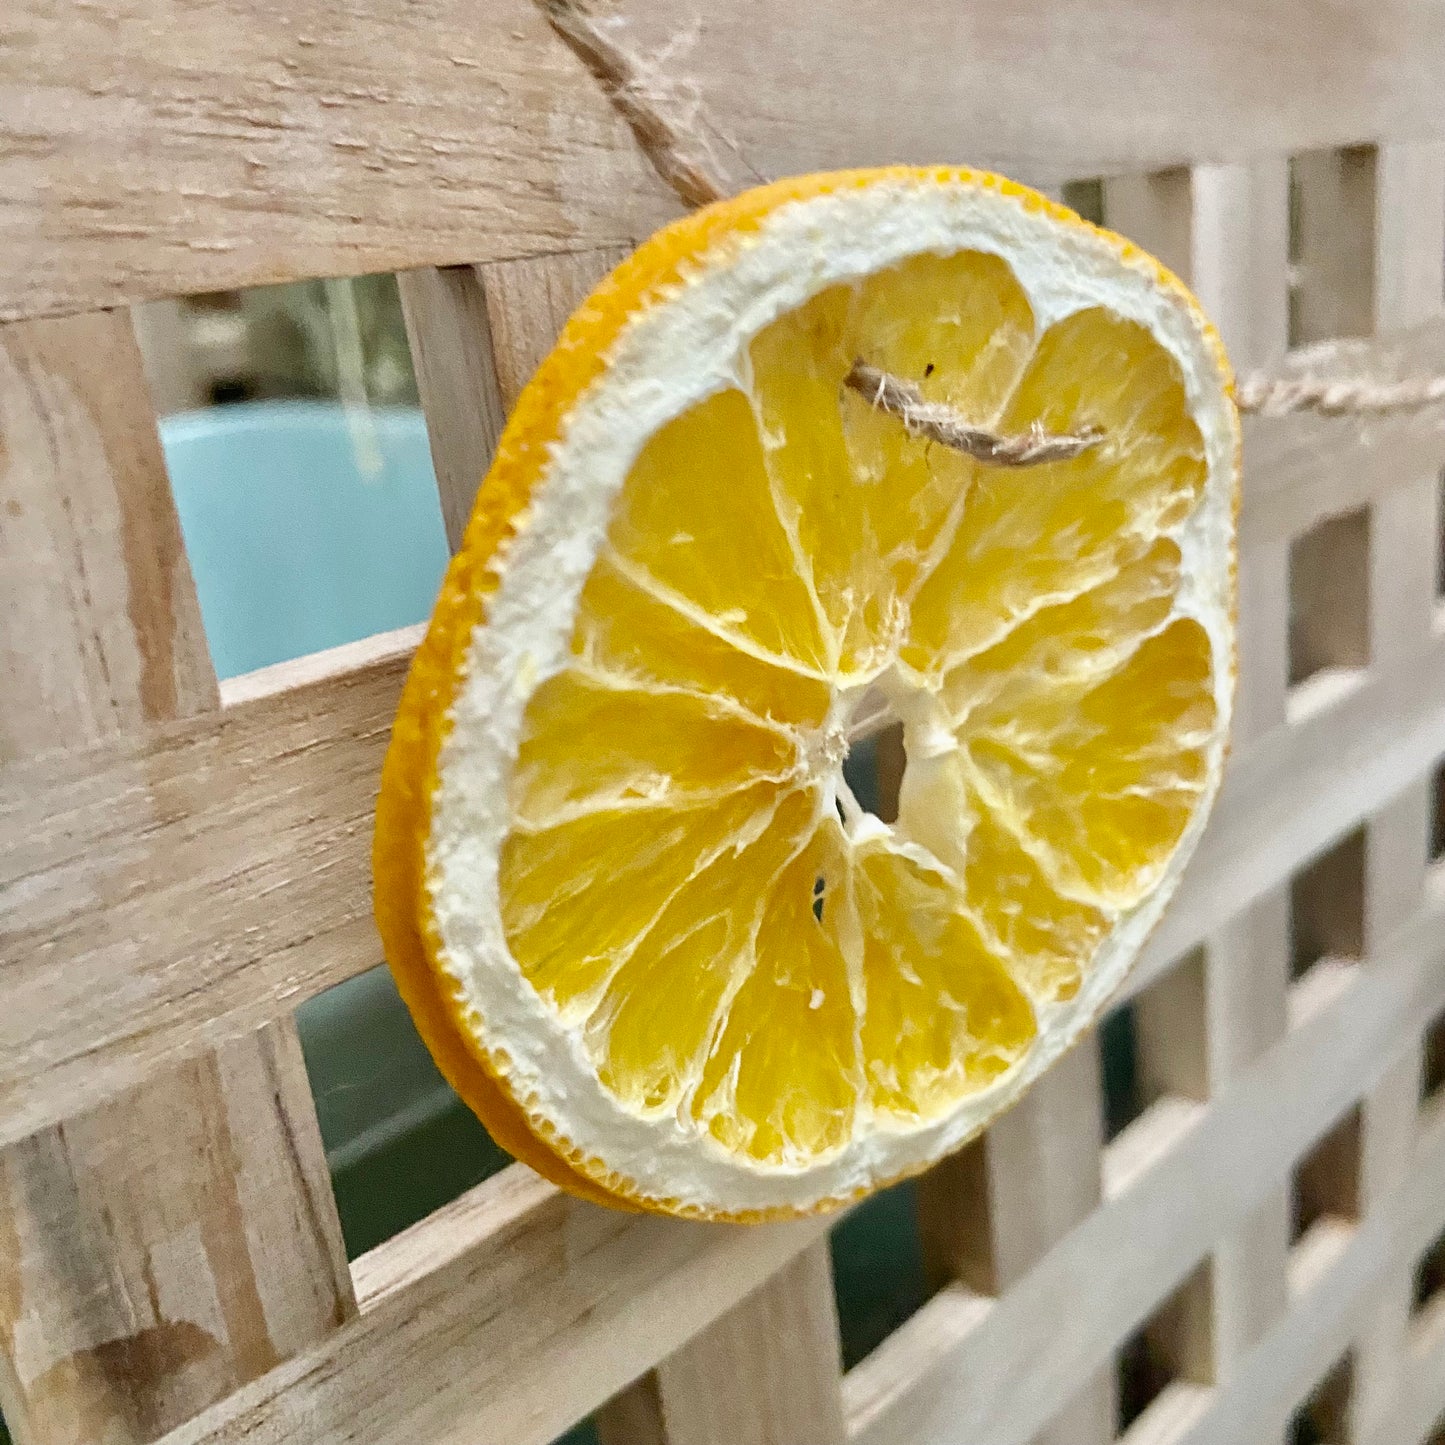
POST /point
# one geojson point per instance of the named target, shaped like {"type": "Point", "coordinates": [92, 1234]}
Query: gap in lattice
{"type": "Point", "coordinates": [1327, 914]}
{"type": "Point", "coordinates": [588, 1432]}
{"type": "Point", "coordinates": [300, 465]}
{"type": "Point", "coordinates": [1428, 1284]}
{"type": "Point", "coordinates": [1432, 1071]}
{"type": "Point", "coordinates": [879, 1278]}
{"type": "Point", "coordinates": [1329, 608]}
{"type": "Point", "coordinates": [400, 1144]}
{"type": "Point", "coordinates": [1087, 198]}
{"type": "Point", "coordinates": [1154, 1052]}
{"type": "Point", "coordinates": [1170, 1353]}
{"type": "Point", "coordinates": [1119, 1071]}
{"type": "Point", "coordinates": [1331, 243]}
{"type": "Point", "coordinates": [302, 475]}
{"type": "Point", "coordinates": [1323, 1417]}
{"type": "Point", "coordinates": [1440, 537]}
{"type": "Point", "coordinates": [1325, 1184]}
{"type": "Point", "coordinates": [315, 340]}
{"type": "Point", "coordinates": [1437, 814]}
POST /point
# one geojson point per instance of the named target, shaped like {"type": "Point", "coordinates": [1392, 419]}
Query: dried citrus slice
{"type": "Point", "coordinates": [640, 919]}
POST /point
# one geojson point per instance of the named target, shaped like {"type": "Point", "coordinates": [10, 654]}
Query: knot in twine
{"type": "Point", "coordinates": [680, 157]}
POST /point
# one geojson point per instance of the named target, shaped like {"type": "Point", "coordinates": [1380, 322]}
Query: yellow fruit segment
{"type": "Point", "coordinates": [651, 1031]}
{"type": "Point", "coordinates": [577, 897]}
{"type": "Point", "coordinates": [783, 1081]}
{"type": "Point", "coordinates": [1066, 644]}
{"type": "Point", "coordinates": [644, 748]}
{"type": "Point", "coordinates": [941, 1013]}
{"type": "Point", "coordinates": [1043, 535]}
{"type": "Point", "coordinates": [1101, 784]}
{"type": "Point", "coordinates": [715, 942]}
{"type": "Point", "coordinates": [1047, 937]}
{"type": "Point", "coordinates": [864, 499]}
{"type": "Point", "coordinates": [624, 631]}
{"type": "Point", "coordinates": [696, 523]}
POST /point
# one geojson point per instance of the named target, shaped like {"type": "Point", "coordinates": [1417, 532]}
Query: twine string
{"type": "Point", "coordinates": [1345, 396]}
{"type": "Point", "coordinates": [680, 157]}
{"type": "Point", "coordinates": [941, 423]}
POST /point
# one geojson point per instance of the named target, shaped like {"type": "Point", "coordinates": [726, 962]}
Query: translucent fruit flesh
{"type": "Point", "coordinates": [731, 947]}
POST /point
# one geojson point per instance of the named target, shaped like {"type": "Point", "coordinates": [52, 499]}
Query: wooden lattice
{"type": "Point", "coordinates": [181, 865]}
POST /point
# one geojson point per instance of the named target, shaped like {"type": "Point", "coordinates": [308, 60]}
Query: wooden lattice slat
{"type": "Point", "coordinates": [166, 1246]}
{"type": "Point", "coordinates": [767, 1371]}
{"type": "Point", "coordinates": [1227, 229]}
{"type": "Point", "coordinates": [219, 880]}
{"type": "Point", "coordinates": [1409, 279]}
{"type": "Point", "coordinates": [174, 147]}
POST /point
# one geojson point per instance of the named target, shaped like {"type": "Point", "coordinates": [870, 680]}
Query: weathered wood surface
{"type": "Point", "coordinates": [162, 148]}
{"type": "Point", "coordinates": [505, 1316]}
{"type": "Point", "coordinates": [182, 885]}
{"type": "Point", "coordinates": [477, 334]}
{"type": "Point", "coordinates": [1033, 1348]}
{"type": "Point", "coordinates": [161, 1248]}
{"type": "Point", "coordinates": [767, 1372]}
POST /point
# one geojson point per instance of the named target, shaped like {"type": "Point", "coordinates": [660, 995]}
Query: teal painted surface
{"type": "Point", "coordinates": [878, 1270]}
{"type": "Point", "coordinates": [305, 529]}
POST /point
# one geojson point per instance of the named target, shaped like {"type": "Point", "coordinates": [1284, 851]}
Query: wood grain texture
{"type": "Point", "coordinates": [1239, 260]}
{"type": "Point", "coordinates": [1319, 1330]}
{"type": "Point", "coordinates": [991, 1213]}
{"type": "Point", "coordinates": [101, 629]}
{"type": "Point", "coordinates": [994, 1211]}
{"type": "Point", "coordinates": [182, 885]}
{"type": "Point", "coordinates": [162, 148]}
{"type": "Point", "coordinates": [767, 1372]}
{"type": "Point", "coordinates": [1247, 969]}
{"type": "Point", "coordinates": [158, 148]}
{"type": "Point", "coordinates": [159, 1249]}
{"type": "Point", "coordinates": [505, 1316]}
{"type": "Point", "coordinates": [477, 334]}
{"type": "Point", "coordinates": [1408, 281]}
{"type": "Point", "coordinates": [163, 1249]}
{"type": "Point", "coordinates": [633, 1416]}
{"type": "Point", "coordinates": [456, 375]}
{"type": "Point", "coordinates": [516, 1310]}
{"type": "Point", "coordinates": [529, 300]}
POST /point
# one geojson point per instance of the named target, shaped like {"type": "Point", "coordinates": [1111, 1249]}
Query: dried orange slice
{"type": "Point", "coordinates": [637, 914]}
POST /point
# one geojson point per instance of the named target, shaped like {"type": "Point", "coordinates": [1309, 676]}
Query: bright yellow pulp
{"type": "Point", "coordinates": [688, 881]}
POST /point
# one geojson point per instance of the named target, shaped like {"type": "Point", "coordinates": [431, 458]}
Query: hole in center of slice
{"type": "Point", "coordinates": [873, 770]}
